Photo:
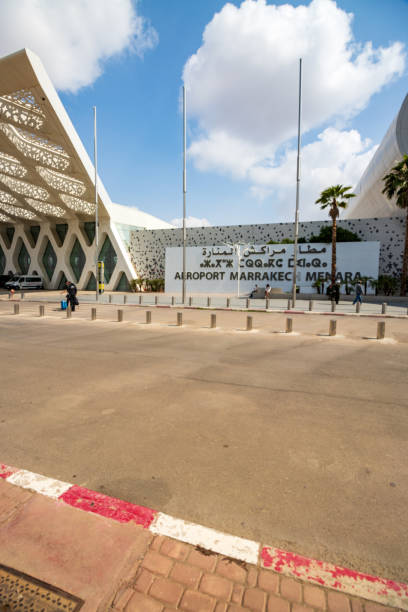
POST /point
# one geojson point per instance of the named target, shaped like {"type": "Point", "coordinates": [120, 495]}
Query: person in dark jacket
{"type": "Point", "coordinates": [72, 295]}
{"type": "Point", "coordinates": [336, 292]}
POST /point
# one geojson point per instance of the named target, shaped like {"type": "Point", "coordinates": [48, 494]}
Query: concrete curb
{"type": "Point", "coordinates": [324, 574]}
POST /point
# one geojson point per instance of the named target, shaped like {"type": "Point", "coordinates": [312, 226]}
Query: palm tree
{"type": "Point", "coordinates": [396, 183]}
{"type": "Point", "coordinates": [335, 197]}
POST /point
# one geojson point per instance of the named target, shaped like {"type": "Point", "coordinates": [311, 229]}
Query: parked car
{"type": "Point", "coordinates": [25, 282]}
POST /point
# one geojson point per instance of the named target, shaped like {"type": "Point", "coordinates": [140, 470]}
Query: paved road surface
{"type": "Point", "coordinates": [299, 441]}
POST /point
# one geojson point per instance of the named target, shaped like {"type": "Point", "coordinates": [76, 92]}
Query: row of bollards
{"type": "Point", "coordinates": [213, 320]}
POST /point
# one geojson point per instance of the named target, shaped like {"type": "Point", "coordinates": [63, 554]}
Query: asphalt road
{"type": "Point", "coordinates": [298, 441]}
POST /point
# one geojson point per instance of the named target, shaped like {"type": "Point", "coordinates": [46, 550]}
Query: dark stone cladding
{"type": "Point", "coordinates": [148, 247]}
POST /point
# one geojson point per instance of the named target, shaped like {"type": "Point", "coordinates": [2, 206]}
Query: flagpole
{"type": "Point", "coordinates": [297, 189]}
{"type": "Point", "coordinates": [184, 197]}
{"type": "Point", "coordinates": [96, 207]}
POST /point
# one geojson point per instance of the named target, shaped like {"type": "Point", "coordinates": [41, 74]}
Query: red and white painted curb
{"type": "Point", "coordinates": [327, 575]}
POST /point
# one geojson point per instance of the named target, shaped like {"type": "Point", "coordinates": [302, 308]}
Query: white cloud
{"type": "Point", "coordinates": [74, 37]}
{"type": "Point", "coordinates": [242, 87]}
{"type": "Point", "coordinates": [336, 157]}
{"type": "Point", "coordinates": [191, 222]}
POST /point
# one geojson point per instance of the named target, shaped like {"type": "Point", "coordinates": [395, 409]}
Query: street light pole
{"type": "Point", "coordinates": [297, 189]}
{"type": "Point", "coordinates": [184, 197]}
{"type": "Point", "coordinates": [96, 207]}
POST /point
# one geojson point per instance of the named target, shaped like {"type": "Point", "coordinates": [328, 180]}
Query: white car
{"type": "Point", "coordinates": [25, 282]}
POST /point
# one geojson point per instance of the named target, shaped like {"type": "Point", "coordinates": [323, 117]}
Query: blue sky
{"type": "Point", "coordinates": [242, 95]}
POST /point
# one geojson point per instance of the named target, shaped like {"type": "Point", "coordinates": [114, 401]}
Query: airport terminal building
{"type": "Point", "coordinates": [47, 198]}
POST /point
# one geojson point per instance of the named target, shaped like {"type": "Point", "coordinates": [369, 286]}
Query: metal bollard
{"type": "Point", "coordinates": [249, 324]}
{"type": "Point", "coordinates": [213, 323]}
{"type": "Point", "coordinates": [93, 314]}
{"type": "Point", "coordinates": [208, 302]}
{"type": "Point", "coordinates": [179, 319]}
{"type": "Point", "coordinates": [156, 299]}
{"type": "Point", "coordinates": [172, 300]}
{"type": "Point", "coordinates": [289, 304]}
{"type": "Point", "coordinates": [22, 296]}
{"type": "Point", "coordinates": [267, 304]}
{"type": "Point", "coordinates": [247, 303]}
{"type": "Point", "coordinates": [120, 316]}
{"type": "Point", "coordinates": [332, 328]}
{"type": "Point", "coordinates": [125, 299]}
{"type": "Point", "coordinates": [358, 306]}
{"type": "Point", "coordinates": [228, 303]}
{"type": "Point", "coordinates": [110, 299]}
{"type": "Point", "coordinates": [16, 308]}
{"type": "Point", "coordinates": [310, 305]}
{"type": "Point", "coordinates": [289, 326]}
{"type": "Point", "coordinates": [148, 316]}
{"type": "Point", "coordinates": [42, 310]}
{"type": "Point", "coordinates": [384, 308]}
{"type": "Point", "coordinates": [140, 299]}
{"type": "Point", "coordinates": [333, 306]}
{"type": "Point", "coordinates": [69, 312]}
{"type": "Point", "coordinates": [190, 301]}
{"type": "Point", "coordinates": [380, 330]}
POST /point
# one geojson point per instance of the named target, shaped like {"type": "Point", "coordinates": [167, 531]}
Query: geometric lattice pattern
{"type": "Point", "coordinates": [35, 232]}
{"type": "Point", "coordinates": [91, 284]}
{"type": "Point", "coordinates": [35, 147]}
{"type": "Point", "coordinates": [45, 208]}
{"type": "Point", "coordinates": [123, 284]}
{"type": "Point", "coordinates": [4, 218]}
{"type": "Point", "coordinates": [77, 204]}
{"type": "Point", "coordinates": [24, 188]}
{"type": "Point", "coordinates": [22, 108]}
{"type": "Point", "coordinates": [2, 261]}
{"type": "Point", "coordinates": [89, 228]}
{"type": "Point", "coordinates": [77, 259]}
{"type": "Point", "coordinates": [61, 229]}
{"type": "Point", "coordinates": [24, 259]}
{"type": "Point", "coordinates": [10, 165]}
{"type": "Point", "coordinates": [49, 260]}
{"type": "Point", "coordinates": [10, 235]}
{"type": "Point", "coordinates": [109, 258]}
{"type": "Point", "coordinates": [61, 182]}
{"type": "Point", "coordinates": [62, 281]}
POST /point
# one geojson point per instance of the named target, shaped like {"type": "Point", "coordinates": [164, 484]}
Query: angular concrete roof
{"type": "Point", "coordinates": [45, 171]}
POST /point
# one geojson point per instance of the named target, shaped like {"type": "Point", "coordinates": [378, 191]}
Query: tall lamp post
{"type": "Point", "coordinates": [297, 189]}
{"type": "Point", "coordinates": [184, 197]}
{"type": "Point", "coordinates": [96, 207]}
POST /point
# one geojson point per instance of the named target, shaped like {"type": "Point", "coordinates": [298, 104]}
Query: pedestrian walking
{"type": "Point", "coordinates": [359, 293]}
{"type": "Point", "coordinates": [337, 292]}
{"type": "Point", "coordinates": [72, 295]}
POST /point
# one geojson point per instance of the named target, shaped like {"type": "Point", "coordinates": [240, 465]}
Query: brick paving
{"type": "Point", "coordinates": [176, 576]}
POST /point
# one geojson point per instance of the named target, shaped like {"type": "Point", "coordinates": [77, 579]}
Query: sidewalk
{"type": "Point", "coordinates": [107, 558]}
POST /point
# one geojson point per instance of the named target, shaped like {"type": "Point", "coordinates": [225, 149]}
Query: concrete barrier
{"type": "Point", "coordinates": [332, 328]}
{"type": "Point", "coordinates": [289, 326]}
{"type": "Point", "coordinates": [179, 319]}
{"type": "Point", "coordinates": [42, 310]}
{"type": "Point", "coordinates": [380, 330]}
{"type": "Point", "coordinates": [120, 316]}
{"type": "Point", "coordinates": [16, 309]}
{"type": "Point", "coordinates": [148, 316]}
{"type": "Point", "coordinates": [93, 314]}
{"type": "Point", "coordinates": [213, 323]}
{"type": "Point", "coordinates": [249, 324]}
